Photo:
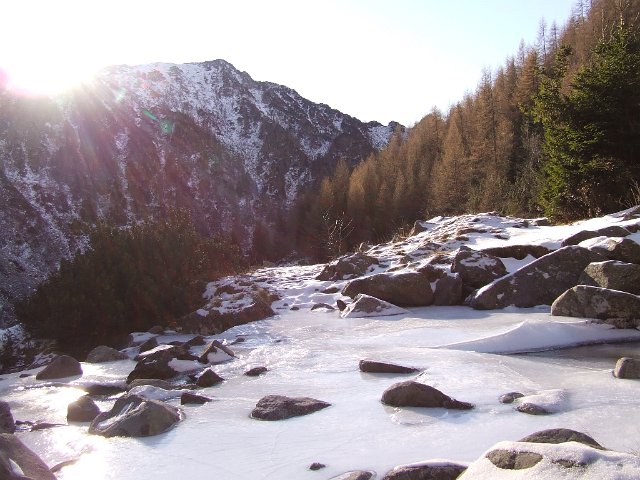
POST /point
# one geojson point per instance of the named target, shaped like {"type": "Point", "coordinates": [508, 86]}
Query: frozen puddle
{"type": "Point", "coordinates": [316, 354]}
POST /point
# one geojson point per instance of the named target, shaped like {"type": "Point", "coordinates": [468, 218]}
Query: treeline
{"type": "Point", "coordinates": [129, 279]}
{"type": "Point", "coordinates": [537, 137]}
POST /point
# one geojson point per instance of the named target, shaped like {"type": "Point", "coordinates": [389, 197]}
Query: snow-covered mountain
{"type": "Point", "coordinates": [137, 140]}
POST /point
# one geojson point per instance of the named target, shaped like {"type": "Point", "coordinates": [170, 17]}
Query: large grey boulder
{"type": "Point", "coordinates": [540, 282]}
{"type": "Point", "coordinates": [404, 289]}
{"type": "Point", "coordinates": [7, 424]}
{"type": "Point", "coordinates": [60, 367]}
{"type": "Point", "coordinates": [561, 435]}
{"type": "Point", "coordinates": [32, 466]}
{"type": "Point", "coordinates": [612, 274]}
{"type": "Point", "coordinates": [102, 353]}
{"type": "Point", "coordinates": [279, 407]}
{"type": "Point", "coordinates": [135, 416]}
{"type": "Point", "coordinates": [615, 248]}
{"type": "Point", "coordinates": [82, 410]}
{"type": "Point", "coordinates": [414, 394]}
{"type": "Point", "coordinates": [628, 368]}
{"type": "Point", "coordinates": [437, 470]}
{"type": "Point", "coordinates": [347, 267]}
{"type": "Point", "coordinates": [477, 268]}
{"type": "Point", "coordinates": [617, 308]}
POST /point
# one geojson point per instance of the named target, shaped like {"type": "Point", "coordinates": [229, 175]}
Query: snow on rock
{"type": "Point", "coordinates": [568, 461]}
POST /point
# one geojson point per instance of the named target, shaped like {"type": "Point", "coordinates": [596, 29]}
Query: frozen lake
{"type": "Point", "coordinates": [316, 354]}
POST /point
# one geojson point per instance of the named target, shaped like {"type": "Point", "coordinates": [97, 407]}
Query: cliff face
{"type": "Point", "coordinates": [138, 140]}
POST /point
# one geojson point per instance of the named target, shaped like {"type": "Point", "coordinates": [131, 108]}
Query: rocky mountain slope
{"type": "Point", "coordinates": [138, 140]}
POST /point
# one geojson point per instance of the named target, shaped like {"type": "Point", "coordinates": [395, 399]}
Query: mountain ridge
{"type": "Point", "coordinates": [138, 140]}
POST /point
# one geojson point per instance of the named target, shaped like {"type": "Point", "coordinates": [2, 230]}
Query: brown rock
{"type": "Point", "coordinates": [60, 367]}
{"type": "Point", "coordinates": [402, 289]}
{"type": "Point", "coordinates": [414, 394]}
{"type": "Point", "coordinates": [370, 366]}
{"type": "Point", "coordinates": [509, 460]}
{"type": "Point", "coordinates": [628, 368]}
{"type": "Point", "coordinates": [31, 465]}
{"type": "Point", "coordinates": [279, 407]}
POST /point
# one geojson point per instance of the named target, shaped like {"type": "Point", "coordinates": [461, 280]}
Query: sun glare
{"type": "Point", "coordinates": [47, 79]}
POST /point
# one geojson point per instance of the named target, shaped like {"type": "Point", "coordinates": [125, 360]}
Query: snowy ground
{"type": "Point", "coordinates": [316, 354]}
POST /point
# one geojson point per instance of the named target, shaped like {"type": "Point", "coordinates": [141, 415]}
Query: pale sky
{"type": "Point", "coordinates": [375, 60]}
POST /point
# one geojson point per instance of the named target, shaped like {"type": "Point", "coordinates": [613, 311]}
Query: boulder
{"type": "Point", "coordinates": [579, 237]}
{"type": "Point", "coordinates": [368, 306]}
{"type": "Point", "coordinates": [615, 248]}
{"type": "Point", "coordinates": [215, 352]}
{"type": "Point", "coordinates": [102, 353]}
{"type": "Point", "coordinates": [255, 371]}
{"type": "Point", "coordinates": [620, 309]}
{"type": "Point", "coordinates": [60, 367]}
{"type": "Point", "coordinates": [627, 368]}
{"type": "Point", "coordinates": [449, 290]}
{"type": "Point", "coordinates": [370, 366]}
{"type": "Point", "coordinates": [477, 268]}
{"type": "Point", "coordinates": [539, 282]}
{"type": "Point", "coordinates": [256, 306]}
{"type": "Point", "coordinates": [519, 252]}
{"type": "Point", "coordinates": [149, 344]}
{"type": "Point", "coordinates": [7, 424]}
{"type": "Point", "coordinates": [156, 330]}
{"type": "Point", "coordinates": [513, 460]}
{"type": "Point", "coordinates": [155, 365]}
{"type": "Point", "coordinates": [612, 274]}
{"type": "Point", "coordinates": [82, 410]}
{"type": "Point", "coordinates": [279, 407]}
{"type": "Point", "coordinates": [403, 289]}
{"type": "Point", "coordinates": [414, 394]}
{"type": "Point", "coordinates": [435, 470]}
{"type": "Point", "coordinates": [341, 305]}
{"type": "Point", "coordinates": [570, 461]}
{"type": "Point", "coordinates": [208, 378]}
{"type": "Point", "coordinates": [134, 416]}
{"type": "Point", "coordinates": [355, 475]}
{"type": "Point", "coordinates": [32, 466]}
{"type": "Point", "coordinates": [561, 435]}
{"type": "Point", "coordinates": [188, 398]}
{"type": "Point", "coordinates": [347, 267]}
{"type": "Point", "coordinates": [315, 466]}
{"type": "Point", "coordinates": [196, 341]}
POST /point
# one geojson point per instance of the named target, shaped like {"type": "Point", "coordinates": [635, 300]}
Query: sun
{"type": "Point", "coordinates": [45, 78]}
{"type": "Point", "coordinates": [49, 47]}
